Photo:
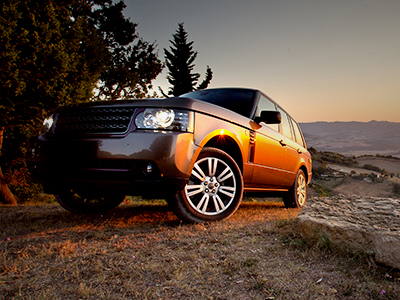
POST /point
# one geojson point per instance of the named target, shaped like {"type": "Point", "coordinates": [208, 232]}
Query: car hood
{"type": "Point", "coordinates": [174, 102]}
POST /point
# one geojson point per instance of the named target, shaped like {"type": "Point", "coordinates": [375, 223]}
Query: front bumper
{"type": "Point", "coordinates": [147, 163]}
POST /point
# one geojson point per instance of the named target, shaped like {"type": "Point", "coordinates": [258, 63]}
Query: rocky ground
{"type": "Point", "coordinates": [355, 223]}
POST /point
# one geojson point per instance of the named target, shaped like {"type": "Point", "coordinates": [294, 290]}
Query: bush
{"type": "Point", "coordinates": [32, 193]}
{"type": "Point", "coordinates": [376, 169]}
{"type": "Point", "coordinates": [332, 157]}
{"type": "Point", "coordinates": [321, 191]}
{"type": "Point", "coordinates": [317, 172]}
{"type": "Point", "coordinates": [396, 188]}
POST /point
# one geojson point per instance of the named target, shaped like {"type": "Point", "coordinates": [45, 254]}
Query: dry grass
{"type": "Point", "coordinates": [142, 251]}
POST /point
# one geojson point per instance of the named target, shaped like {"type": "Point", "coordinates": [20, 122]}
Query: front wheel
{"type": "Point", "coordinates": [297, 195]}
{"type": "Point", "coordinates": [88, 203]}
{"type": "Point", "coordinates": [214, 190]}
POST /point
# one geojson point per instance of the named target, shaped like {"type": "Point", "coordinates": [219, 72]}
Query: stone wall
{"type": "Point", "coordinates": [355, 223]}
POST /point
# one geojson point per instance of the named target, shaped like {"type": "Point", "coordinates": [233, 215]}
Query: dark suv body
{"type": "Point", "coordinates": [200, 151]}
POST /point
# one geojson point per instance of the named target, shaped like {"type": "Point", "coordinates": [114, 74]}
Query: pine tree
{"type": "Point", "coordinates": [180, 64]}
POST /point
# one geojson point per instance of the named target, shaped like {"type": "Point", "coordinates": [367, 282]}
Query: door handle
{"type": "Point", "coordinates": [283, 144]}
{"type": "Point", "coordinates": [299, 151]}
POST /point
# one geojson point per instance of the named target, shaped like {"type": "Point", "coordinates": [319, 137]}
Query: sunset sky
{"type": "Point", "coordinates": [336, 60]}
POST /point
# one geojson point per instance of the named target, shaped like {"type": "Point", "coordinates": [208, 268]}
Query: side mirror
{"type": "Point", "coordinates": [269, 117]}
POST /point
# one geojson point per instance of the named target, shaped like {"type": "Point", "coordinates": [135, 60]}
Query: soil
{"type": "Point", "coordinates": [350, 186]}
{"type": "Point", "coordinates": [142, 251]}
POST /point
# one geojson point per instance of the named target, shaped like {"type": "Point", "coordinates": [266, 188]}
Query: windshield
{"type": "Point", "coordinates": [240, 101]}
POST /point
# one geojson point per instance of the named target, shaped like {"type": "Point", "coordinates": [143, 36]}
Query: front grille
{"type": "Point", "coordinates": [102, 120]}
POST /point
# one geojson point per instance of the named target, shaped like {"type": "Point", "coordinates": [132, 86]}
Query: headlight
{"type": "Point", "coordinates": [47, 124]}
{"type": "Point", "coordinates": [165, 119]}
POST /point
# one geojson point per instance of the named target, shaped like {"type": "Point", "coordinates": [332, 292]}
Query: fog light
{"type": "Point", "coordinates": [33, 152]}
{"type": "Point", "coordinates": [149, 168]}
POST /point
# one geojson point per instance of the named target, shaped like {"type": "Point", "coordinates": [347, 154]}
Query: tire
{"type": "Point", "coordinates": [87, 203]}
{"type": "Point", "coordinates": [214, 190]}
{"type": "Point", "coordinates": [297, 195]}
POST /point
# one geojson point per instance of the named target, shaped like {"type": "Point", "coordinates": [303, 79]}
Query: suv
{"type": "Point", "coordinates": [200, 151]}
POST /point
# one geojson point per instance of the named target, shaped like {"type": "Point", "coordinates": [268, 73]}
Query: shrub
{"type": "Point", "coordinates": [320, 190]}
{"type": "Point", "coordinates": [30, 193]}
{"type": "Point", "coordinates": [396, 188]}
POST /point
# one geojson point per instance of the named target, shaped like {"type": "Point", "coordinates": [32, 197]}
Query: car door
{"type": "Point", "coordinates": [269, 158]}
{"type": "Point", "coordinates": [268, 152]}
{"type": "Point", "coordinates": [295, 149]}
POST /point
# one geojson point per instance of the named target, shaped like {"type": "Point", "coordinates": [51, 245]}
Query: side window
{"type": "Point", "coordinates": [266, 104]}
{"type": "Point", "coordinates": [297, 133]}
{"type": "Point", "coordinates": [285, 124]}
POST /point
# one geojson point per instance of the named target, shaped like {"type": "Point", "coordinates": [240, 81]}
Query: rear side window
{"type": "Point", "coordinates": [285, 124]}
{"type": "Point", "coordinates": [297, 134]}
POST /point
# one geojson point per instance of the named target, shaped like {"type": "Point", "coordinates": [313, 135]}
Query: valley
{"type": "Point", "coordinates": [354, 138]}
{"type": "Point", "coordinates": [335, 174]}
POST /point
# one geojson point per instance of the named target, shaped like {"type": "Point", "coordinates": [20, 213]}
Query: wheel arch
{"type": "Point", "coordinates": [228, 145]}
{"type": "Point", "coordinates": [304, 168]}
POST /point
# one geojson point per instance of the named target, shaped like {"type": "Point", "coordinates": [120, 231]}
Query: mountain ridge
{"type": "Point", "coordinates": [354, 137]}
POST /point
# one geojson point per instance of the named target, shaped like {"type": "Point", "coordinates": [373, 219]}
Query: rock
{"type": "Point", "coordinates": [355, 223]}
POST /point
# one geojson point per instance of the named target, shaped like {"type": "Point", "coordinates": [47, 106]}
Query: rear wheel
{"type": "Point", "coordinates": [214, 190]}
{"type": "Point", "coordinates": [297, 195]}
{"type": "Point", "coordinates": [88, 203]}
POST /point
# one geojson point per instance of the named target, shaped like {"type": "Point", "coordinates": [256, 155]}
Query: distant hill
{"type": "Point", "coordinates": [354, 138]}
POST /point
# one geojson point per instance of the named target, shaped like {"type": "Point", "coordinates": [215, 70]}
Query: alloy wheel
{"type": "Point", "coordinates": [212, 186]}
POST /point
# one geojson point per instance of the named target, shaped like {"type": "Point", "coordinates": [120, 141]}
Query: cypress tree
{"type": "Point", "coordinates": [180, 63]}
